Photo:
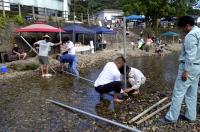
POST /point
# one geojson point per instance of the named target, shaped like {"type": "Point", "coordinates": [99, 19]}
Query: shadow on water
{"type": "Point", "coordinates": [23, 103]}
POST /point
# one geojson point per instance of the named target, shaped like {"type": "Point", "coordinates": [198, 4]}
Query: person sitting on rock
{"type": "Point", "coordinates": [17, 51]}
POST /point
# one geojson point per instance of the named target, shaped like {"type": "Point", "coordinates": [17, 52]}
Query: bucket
{"type": "Point", "coordinates": [4, 69]}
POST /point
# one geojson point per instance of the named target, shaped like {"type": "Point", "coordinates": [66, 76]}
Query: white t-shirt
{"type": "Point", "coordinates": [136, 77]}
{"type": "Point", "coordinates": [44, 47]}
{"type": "Point", "coordinates": [109, 74]}
{"type": "Point", "coordinates": [71, 47]}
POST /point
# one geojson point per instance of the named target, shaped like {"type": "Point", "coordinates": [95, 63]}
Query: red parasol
{"type": "Point", "coordinates": [39, 27]}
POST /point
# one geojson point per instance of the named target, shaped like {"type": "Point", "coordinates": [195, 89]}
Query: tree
{"type": "Point", "coordinates": [128, 9]}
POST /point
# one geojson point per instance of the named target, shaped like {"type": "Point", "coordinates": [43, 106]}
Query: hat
{"type": "Point", "coordinates": [46, 36]}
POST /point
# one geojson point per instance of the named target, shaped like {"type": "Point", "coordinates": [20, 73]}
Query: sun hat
{"type": "Point", "coordinates": [46, 36]}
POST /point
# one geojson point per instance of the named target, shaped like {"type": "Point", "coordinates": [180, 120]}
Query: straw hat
{"type": "Point", "coordinates": [46, 36]}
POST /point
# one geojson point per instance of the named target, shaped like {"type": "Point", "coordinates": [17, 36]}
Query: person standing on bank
{"type": "Point", "coordinates": [109, 79]}
{"type": "Point", "coordinates": [44, 46]}
{"type": "Point", "coordinates": [186, 83]}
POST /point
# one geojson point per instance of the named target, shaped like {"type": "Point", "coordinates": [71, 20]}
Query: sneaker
{"type": "Point", "coordinates": [182, 117]}
{"type": "Point", "coordinates": [48, 75]}
{"type": "Point", "coordinates": [164, 121]}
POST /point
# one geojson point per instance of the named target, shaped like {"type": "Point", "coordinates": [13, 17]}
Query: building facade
{"type": "Point", "coordinates": [59, 8]}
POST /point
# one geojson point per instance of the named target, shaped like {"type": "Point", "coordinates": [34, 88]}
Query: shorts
{"type": "Point", "coordinates": [43, 60]}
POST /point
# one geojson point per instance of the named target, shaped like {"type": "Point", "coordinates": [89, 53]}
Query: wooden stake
{"type": "Point", "coordinates": [152, 114]}
{"type": "Point", "coordinates": [147, 110]}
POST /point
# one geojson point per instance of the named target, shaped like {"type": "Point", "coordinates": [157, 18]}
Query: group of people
{"type": "Point", "coordinates": [110, 79]}
{"type": "Point", "coordinates": [67, 55]}
{"type": "Point", "coordinates": [186, 84]}
{"type": "Point", "coordinates": [150, 42]}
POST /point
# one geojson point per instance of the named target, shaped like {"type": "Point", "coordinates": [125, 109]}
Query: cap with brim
{"type": "Point", "coordinates": [46, 36]}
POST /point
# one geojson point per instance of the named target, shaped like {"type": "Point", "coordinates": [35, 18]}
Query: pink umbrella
{"type": "Point", "coordinates": [39, 27]}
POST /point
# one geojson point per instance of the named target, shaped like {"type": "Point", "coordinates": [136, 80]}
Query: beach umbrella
{"type": "Point", "coordinates": [172, 34]}
{"type": "Point", "coordinates": [39, 27]}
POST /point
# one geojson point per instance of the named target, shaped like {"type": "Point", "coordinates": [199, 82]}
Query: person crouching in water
{"type": "Point", "coordinates": [135, 79]}
{"type": "Point", "coordinates": [44, 46]}
{"type": "Point", "coordinates": [110, 78]}
{"type": "Point", "coordinates": [71, 60]}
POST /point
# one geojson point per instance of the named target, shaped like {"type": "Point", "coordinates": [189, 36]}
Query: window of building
{"type": "Point", "coordinates": [60, 13]}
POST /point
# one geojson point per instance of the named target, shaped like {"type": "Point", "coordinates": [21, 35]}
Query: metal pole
{"type": "Point", "coordinates": [60, 35]}
{"type": "Point", "coordinates": [45, 14]}
{"type": "Point", "coordinates": [79, 77]}
{"type": "Point", "coordinates": [88, 18]}
{"type": "Point", "coordinates": [33, 12]}
{"type": "Point", "coordinates": [3, 7]}
{"type": "Point", "coordinates": [19, 8]}
{"type": "Point", "coordinates": [125, 85]}
{"type": "Point", "coordinates": [35, 51]}
{"type": "Point", "coordinates": [81, 17]}
{"type": "Point", "coordinates": [74, 11]}
{"type": "Point", "coordinates": [95, 116]}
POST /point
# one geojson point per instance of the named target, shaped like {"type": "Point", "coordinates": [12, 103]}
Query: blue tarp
{"type": "Point", "coordinates": [135, 17]}
{"type": "Point", "coordinates": [103, 30]}
{"type": "Point", "coordinates": [74, 28]}
{"type": "Point", "coordinates": [170, 34]}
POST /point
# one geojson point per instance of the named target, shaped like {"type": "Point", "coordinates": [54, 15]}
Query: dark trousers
{"type": "Point", "coordinates": [113, 86]}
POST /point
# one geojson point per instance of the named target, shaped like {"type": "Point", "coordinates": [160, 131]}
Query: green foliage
{"type": "Point", "coordinates": [2, 22]}
{"type": "Point", "coordinates": [154, 9]}
{"type": "Point", "coordinates": [18, 19]}
{"type": "Point", "coordinates": [128, 9]}
{"type": "Point", "coordinates": [23, 67]}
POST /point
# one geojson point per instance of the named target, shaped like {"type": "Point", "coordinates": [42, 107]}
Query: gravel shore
{"type": "Point", "coordinates": [85, 61]}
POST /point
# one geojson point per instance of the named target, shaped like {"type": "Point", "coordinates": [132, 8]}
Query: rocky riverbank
{"type": "Point", "coordinates": [86, 61]}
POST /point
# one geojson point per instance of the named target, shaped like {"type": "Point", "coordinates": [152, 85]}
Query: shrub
{"type": "Point", "coordinates": [19, 19]}
{"type": "Point", "coordinates": [2, 22]}
{"type": "Point", "coordinates": [24, 67]}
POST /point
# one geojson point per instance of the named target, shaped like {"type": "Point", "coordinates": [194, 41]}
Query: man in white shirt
{"type": "Point", "coordinates": [68, 47]}
{"type": "Point", "coordinates": [109, 79]}
{"type": "Point", "coordinates": [44, 46]}
{"type": "Point", "coordinates": [135, 78]}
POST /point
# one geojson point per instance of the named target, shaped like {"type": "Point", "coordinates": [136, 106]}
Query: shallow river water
{"type": "Point", "coordinates": [23, 105]}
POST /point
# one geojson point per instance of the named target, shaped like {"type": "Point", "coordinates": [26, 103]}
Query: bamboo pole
{"type": "Point", "coordinates": [95, 116]}
{"type": "Point", "coordinates": [147, 110]}
{"type": "Point", "coordinates": [152, 114]}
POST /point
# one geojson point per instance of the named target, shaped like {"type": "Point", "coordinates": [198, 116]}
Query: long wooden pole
{"type": "Point", "coordinates": [95, 116]}
{"type": "Point", "coordinates": [147, 110]}
{"type": "Point", "coordinates": [152, 114]}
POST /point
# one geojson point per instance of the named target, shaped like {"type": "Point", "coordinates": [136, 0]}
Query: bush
{"type": "Point", "coordinates": [24, 67]}
{"type": "Point", "coordinates": [2, 22]}
{"type": "Point", "coordinates": [19, 19]}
